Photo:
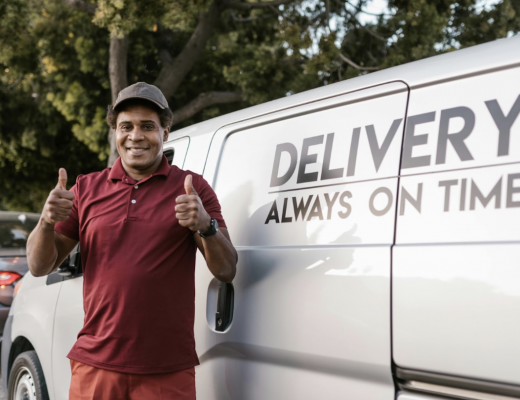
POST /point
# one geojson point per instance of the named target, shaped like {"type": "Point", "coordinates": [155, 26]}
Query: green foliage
{"type": "Point", "coordinates": [38, 66]}
{"type": "Point", "coordinates": [121, 17]}
{"type": "Point", "coordinates": [54, 82]}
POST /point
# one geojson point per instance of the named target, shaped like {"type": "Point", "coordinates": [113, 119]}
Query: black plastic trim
{"type": "Point", "coordinates": [169, 153]}
{"type": "Point", "coordinates": [476, 385]}
{"type": "Point", "coordinates": [72, 265]}
{"type": "Point", "coordinates": [54, 277]}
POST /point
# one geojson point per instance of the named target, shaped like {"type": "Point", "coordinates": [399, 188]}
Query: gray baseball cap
{"type": "Point", "coordinates": [142, 90]}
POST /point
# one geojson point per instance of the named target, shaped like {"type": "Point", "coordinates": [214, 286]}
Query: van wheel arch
{"type": "Point", "coordinates": [19, 346]}
{"type": "Point", "coordinates": [27, 380]}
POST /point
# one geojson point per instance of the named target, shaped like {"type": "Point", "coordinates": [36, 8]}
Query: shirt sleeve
{"type": "Point", "coordinates": [70, 227]}
{"type": "Point", "coordinates": [209, 200]}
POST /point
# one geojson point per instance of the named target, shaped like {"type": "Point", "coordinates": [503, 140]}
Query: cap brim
{"type": "Point", "coordinates": [117, 104]}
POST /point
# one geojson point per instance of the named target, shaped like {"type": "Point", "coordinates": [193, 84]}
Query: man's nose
{"type": "Point", "coordinates": [136, 135]}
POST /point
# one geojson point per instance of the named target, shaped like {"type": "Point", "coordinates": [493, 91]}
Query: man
{"type": "Point", "coordinates": [139, 224]}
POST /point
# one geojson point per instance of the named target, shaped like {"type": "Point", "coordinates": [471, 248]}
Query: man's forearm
{"type": "Point", "coordinates": [221, 256]}
{"type": "Point", "coordinates": [41, 249]}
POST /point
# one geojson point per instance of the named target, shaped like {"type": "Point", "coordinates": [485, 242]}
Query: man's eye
{"type": "Point", "coordinates": [149, 127]}
{"type": "Point", "coordinates": [125, 127]}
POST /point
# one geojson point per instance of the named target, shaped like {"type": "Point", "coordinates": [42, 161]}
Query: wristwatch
{"type": "Point", "coordinates": [213, 228]}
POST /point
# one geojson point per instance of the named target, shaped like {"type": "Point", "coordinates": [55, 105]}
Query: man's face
{"type": "Point", "coordinates": [139, 140]}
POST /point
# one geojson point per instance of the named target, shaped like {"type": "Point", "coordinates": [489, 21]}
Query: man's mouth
{"type": "Point", "coordinates": [136, 150]}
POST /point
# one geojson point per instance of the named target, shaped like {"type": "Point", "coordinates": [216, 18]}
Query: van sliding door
{"type": "Point", "coordinates": [308, 195]}
{"type": "Point", "coordinates": [456, 274]}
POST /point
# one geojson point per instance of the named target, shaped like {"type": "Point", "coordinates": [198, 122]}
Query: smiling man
{"type": "Point", "coordinates": [139, 225]}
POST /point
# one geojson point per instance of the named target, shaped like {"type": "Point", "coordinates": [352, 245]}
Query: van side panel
{"type": "Point", "coordinates": [309, 199]}
{"type": "Point", "coordinates": [456, 291]}
{"type": "Point", "coordinates": [68, 321]}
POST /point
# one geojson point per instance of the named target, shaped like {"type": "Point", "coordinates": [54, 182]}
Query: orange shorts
{"type": "Point", "coordinates": [89, 383]}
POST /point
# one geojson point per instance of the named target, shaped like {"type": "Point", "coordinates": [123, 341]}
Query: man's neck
{"type": "Point", "coordinates": [137, 174]}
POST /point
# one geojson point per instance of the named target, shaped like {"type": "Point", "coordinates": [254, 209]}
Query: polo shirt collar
{"type": "Point", "coordinates": [117, 172]}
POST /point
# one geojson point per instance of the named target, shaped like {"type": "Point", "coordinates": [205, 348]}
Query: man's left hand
{"type": "Point", "coordinates": [189, 209]}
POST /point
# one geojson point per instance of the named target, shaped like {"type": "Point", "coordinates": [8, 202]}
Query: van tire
{"type": "Point", "coordinates": [26, 378]}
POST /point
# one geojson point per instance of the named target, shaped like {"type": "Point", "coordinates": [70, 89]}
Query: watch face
{"type": "Point", "coordinates": [213, 228]}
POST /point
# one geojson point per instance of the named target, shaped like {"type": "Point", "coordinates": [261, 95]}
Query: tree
{"type": "Point", "coordinates": [63, 61]}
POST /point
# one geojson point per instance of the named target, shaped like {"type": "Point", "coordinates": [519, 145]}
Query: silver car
{"type": "Point", "coordinates": [15, 228]}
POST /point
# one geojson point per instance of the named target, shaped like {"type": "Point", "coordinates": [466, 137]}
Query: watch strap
{"type": "Point", "coordinates": [213, 229]}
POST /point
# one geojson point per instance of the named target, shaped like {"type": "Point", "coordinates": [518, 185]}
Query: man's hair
{"type": "Point", "coordinates": [165, 115]}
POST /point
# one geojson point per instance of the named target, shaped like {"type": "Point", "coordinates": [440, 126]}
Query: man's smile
{"type": "Point", "coordinates": [134, 150]}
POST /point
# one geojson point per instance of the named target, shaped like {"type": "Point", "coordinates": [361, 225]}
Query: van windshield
{"type": "Point", "coordinates": [14, 231]}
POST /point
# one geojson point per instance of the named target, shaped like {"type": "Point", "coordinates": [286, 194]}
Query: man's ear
{"type": "Point", "coordinates": [166, 133]}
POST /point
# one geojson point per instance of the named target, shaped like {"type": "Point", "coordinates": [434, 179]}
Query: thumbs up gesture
{"type": "Point", "coordinates": [59, 203]}
{"type": "Point", "coordinates": [189, 209]}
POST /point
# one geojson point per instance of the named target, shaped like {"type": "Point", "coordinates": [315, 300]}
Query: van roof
{"type": "Point", "coordinates": [499, 54]}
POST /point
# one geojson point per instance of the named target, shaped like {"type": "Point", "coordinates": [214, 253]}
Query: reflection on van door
{"type": "Point", "coordinates": [308, 195]}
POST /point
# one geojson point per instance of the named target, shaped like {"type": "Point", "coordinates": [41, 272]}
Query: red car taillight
{"type": "Point", "coordinates": [8, 278]}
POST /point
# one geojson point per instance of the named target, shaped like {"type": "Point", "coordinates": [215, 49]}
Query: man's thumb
{"type": "Point", "coordinates": [188, 185]}
{"type": "Point", "coordinates": [62, 178]}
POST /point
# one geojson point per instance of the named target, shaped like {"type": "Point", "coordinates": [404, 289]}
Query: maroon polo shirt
{"type": "Point", "coordinates": [138, 269]}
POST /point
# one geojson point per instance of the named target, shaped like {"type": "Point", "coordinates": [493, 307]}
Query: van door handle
{"type": "Point", "coordinates": [225, 301]}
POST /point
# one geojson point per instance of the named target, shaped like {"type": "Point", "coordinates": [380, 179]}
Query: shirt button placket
{"type": "Point", "coordinates": [132, 211]}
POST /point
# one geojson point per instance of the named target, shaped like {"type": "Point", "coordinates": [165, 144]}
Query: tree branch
{"type": "Point", "coordinates": [359, 24]}
{"type": "Point", "coordinates": [202, 101]}
{"type": "Point", "coordinates": [237, 19]}
{"type": "Point", "coordinates": [80, 5]}
{"type": "Point", "coordinates": [277, 11]}
{"type": "Point", "coordinates": [173, 72]}
{"type": "Point", "coordinates": [359, 9]}
{"type": "Point", "coordinates": [371, 32]}
{"type": "Point", "coordinates": [353, 64]}
{"type": "Point", "coordinates": [250, 6]}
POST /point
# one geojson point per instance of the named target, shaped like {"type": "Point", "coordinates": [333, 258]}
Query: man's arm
{"type": "Point", "coordinates": [219, 253]}
{"type": "Point", "coordinates": [46, 249]}
{"type": "Point", "coordinates": [217, 249]}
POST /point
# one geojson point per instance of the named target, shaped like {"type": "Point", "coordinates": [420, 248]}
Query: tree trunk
{"type": "Point", "coordinates": [118, 81]}
{"type": "Point", "coordinates": [172, 73]}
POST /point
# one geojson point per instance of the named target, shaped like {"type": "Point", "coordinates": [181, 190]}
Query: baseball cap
{"type": "Point", "coordinates": [142, 90]}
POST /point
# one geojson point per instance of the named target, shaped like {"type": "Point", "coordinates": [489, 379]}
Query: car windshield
{"type": "Point", "coordinates": [14, 231]}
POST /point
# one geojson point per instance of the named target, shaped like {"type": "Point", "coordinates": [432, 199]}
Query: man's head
{"type": "Point", "coordinates": [141, 120]}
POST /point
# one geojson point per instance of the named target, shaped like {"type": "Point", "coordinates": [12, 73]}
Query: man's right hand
{"type": "Point", "coordinates": [59, 203]}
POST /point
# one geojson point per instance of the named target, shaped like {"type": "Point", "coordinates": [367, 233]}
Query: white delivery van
{"type": "Point", "coordinates": [377, 222]}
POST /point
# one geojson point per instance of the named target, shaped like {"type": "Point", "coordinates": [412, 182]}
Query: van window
{"type": "Point", "coordinates": [169, 155]}
{"type": "Point", "coordinates": [176, 150]}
